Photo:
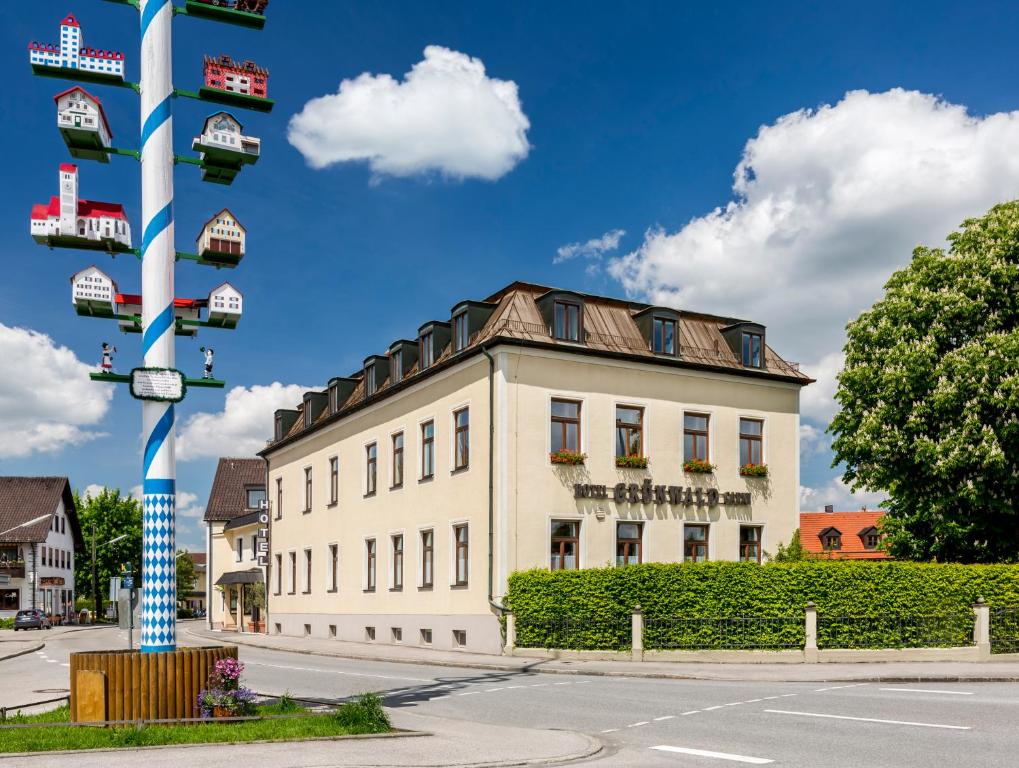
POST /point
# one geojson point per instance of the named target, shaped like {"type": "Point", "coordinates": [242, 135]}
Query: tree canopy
{"type": "Point", "coordinates": [113, 515]}
{"type": "Point", "coordinates": [186, 576]}
{"type": "Point", "coordinates": [929, 397]}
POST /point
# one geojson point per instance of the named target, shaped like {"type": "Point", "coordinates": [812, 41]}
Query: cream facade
{"type": "Point", "coordinates": [426, 561]}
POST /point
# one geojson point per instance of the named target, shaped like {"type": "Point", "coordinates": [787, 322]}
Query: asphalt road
{"type": "Point", "coordinates": [642, 722]}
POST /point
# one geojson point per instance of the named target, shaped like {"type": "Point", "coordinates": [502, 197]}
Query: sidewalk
{"type": "Point", "coordinates": [888, 672]}
{"type": "Point", "coordinates": [439, 742]}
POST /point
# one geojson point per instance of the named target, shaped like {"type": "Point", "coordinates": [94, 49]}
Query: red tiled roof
{"type": "Point", "coordinates": [88, 208]}
{"type": "Point", "coordinates": [70, 21]}
{"type": "Point", "coordinates": [849, 524]}
{"type": "Point", "coordinates": [99, 106]}
{"type": "Point", "coordinates": [69, 167]}
{"type": "Point", "coordinates": [135, 298]}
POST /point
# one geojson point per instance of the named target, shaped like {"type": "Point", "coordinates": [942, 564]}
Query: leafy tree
{"type": "Point", "coordinates": [930, 397]}
{"type": "Point", "coordinates": [186, 578]}
{"type": "Point", "coordinates": [793, 552]}
{"type": "Point", "coordinates": [105, 517]}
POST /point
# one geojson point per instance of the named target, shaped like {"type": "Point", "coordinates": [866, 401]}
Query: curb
{"type": "Point", "coordinates": [636, 672]}
{"type": "Point", "coordinates": [33, 649]}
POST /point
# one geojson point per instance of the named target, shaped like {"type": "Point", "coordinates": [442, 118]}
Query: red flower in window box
{"type": "Point", "coordinates": [698, 467]}
{"type": "Point", "coordinates": [632, 462]}
{"type": "Point", "coordinates": [754, 470]}
{"type": "Point", "coordinates": [568, 457]}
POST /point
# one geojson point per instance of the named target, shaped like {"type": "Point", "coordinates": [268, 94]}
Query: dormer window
{"type": "Point", "coordinates": [461, 332]}
{"type": "Point", "coordinates": [254, 497]}
{"type": "Point", "coordinates": [831, 539]}
{"type": "Point", "coordinates": [396, 366]}
{"type": "Point", "coordinates": [566, 320]}
{"type": "Point", "coordinates": [278, 427]}
{"type": "Point", "coordinates": [753, 350]}
{"type": "Point", "coordinates": [307, 414]}
{"type": "Point", "coordinates": [369, 380]}
{"type": "Point", "coordinates": [871, 537]}
{"type": "Point", "coordinates": [663, 336]}
{"type": "Point", "coordinates": [426, 346]}
{"type": "Point", "coordinates": [334, 398]}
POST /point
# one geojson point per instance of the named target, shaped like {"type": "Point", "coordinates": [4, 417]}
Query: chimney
{"type": "Point", "coordinates": [829, 508]}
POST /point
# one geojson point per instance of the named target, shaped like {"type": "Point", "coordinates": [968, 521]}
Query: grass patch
{"type": "Point", "coordinates": [365, 715]}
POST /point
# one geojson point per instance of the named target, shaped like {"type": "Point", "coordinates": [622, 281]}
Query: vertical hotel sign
{"type": "Point", "coordinates": [262, 537]}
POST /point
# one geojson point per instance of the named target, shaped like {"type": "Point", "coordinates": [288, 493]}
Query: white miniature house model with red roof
{"type": "Point", "coordinates": [93, 293]}
{"type": "Point", "coordinates": [221, 239]}
{"type": "Point", "coordinates": [225, 306]}
{"type": "Point", "coordinates": [83, 124]}
{"type": "Point", "coordinates": [70, 221]}
{"type": "Point", "coordinates": [72, 54]}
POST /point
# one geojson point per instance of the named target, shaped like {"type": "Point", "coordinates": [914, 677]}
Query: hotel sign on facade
{"type": "Point", "coordinates": [649, 493]}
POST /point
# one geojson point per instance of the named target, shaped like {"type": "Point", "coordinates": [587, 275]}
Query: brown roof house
{"type": "Point", "coordinates": [39, 536]}
{"type": "Point", "coordinates": [843, 535]}
{"type": "Point", "coordinates": [236, 546]}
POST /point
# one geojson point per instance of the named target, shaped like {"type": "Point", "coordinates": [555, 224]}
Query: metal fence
{"type": "Point", "coordinates": [595, 633]}
{"type": "Point", "coordinates": [950, 630]}
{"type": "Point", "coordinates": [1005, 630]}
{"type": "Point", "coordinates": [724, 633]}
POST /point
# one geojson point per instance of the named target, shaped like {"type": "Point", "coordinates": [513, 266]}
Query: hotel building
{"type": "Point", "coordinates": [538, 428]}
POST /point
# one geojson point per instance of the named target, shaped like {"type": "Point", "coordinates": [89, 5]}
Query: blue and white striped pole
{"type": "Point", "coordinates": [159, 573]}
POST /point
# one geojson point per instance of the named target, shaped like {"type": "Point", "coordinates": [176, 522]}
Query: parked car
{"type": "Point", "coordinates": [32, 618]}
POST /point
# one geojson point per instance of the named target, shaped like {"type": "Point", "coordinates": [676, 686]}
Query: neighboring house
{"type": "Point", "coordinates": [233, 540]}
{"type": "Point", "coordinates": [68, 216]}
{"type": "Point", "coordinates": [72, 53]}
{"type": "Point", "coordinates": [538, 428]}
{"type": "Point", "coordinates": [39, 536]}
{"type": "Point", "coordinates": [83, 124]}
{"type": "Point", "coordinates": [843, 535]}
{"type": "Point", "coordinates": [93, 292]}
{"type": "Point", "coordinates": [222, 234]}
{"type": "Point", "coordinates": [195, 599]}
{"type": "Point", "coordinates": [238, 77]}
{"type": "Point", "coordinates": [225, 306]}
{"type": "Point", "coordinates": [222, 131]}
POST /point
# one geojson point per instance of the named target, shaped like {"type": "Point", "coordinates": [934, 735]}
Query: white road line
{"type": "Point", "coordinates": [664, 717]}
{"type": "Point", "coordinates": [768, 698]}
{"type": "Point", "coordinates": [751, 701]}
{"type": "Point", "coordinates": [784, 695]}
{"type": "Point", "coordinates": [610, 730]}
{"type": "Point", "coordinates": [438, 698]}
{"type": "Point", "coordinates": [708, 709]}
{"type": "Point", "coordinates": [581, 682]}
{"type": "Point", "coordinates": [734, 703]}
{"type": "Point", "coordinates": [493, 690]}
{"type": "Point", "coordinates": [560, 683]}
{"type": "Point", "coordinates": [538, 685]}
{"type": "Point", "coordinates": [511, 687]}
{"type": "Point", "coordinates": [468, 693]}
{"type": "Point", "coordinates": [691, 712]}
{"type": "Point", "coordinates": [926, 690]}
{"type": "Point", "coordinates": [634, 725]}
{"type": "Point", "coordinates": [51, 661]}
{"type": "Point", "coordinates": [719, 755]}
{"type": "Point", "coordinates": [869, 720]}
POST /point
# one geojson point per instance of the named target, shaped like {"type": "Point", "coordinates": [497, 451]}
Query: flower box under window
{"type": "Point", "coordinates": [568, 457]}
{"type": "Point", "coordinates": [754, 470]}
{"type": "Point", "coordinates": [632, 462]}
{"type": "Point", "coordinates": [698, 467]}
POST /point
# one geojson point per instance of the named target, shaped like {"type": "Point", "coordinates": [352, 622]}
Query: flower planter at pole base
{"type": "Point", "coordinates": [256, 626]}
{"type": "Point", "coordinates": [141, 686]}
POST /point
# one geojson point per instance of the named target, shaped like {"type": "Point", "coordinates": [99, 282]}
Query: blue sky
{"type": "Point", "coordinates": [636, 121]}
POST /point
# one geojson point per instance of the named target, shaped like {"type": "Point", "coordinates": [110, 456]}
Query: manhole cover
{"type": "Point", "coordinates": [53, 690]}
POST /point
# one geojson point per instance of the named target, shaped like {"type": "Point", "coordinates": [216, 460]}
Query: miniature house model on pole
{"type": "Point", "coordinates": [83, 124]}
{"type": "Point", "coordinates": [183, 309]}
{"type": "Point", "coordinates": [223, 148]}
{"type": "Point", "coordinates": [225, 306]}
{"type": "Point", "coordinates": [93, 293]}
{"type": "Point", "coordinates": [73, 222]}
{"type": "Point", "coordinates": [221, 240]}
{"type": "Point", "coordinates": [71, 54]}
{"type": "Point", "coordinates": [245, 78]}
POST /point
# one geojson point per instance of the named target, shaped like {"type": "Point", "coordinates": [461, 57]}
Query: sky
{"type": "Point", "coordinates": [769, 161]}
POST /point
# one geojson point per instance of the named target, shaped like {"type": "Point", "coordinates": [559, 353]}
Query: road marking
{"type": "Point", "coordinates": [581, 682]}
{"type": "Point", "coordinates": [511, 687]}
{"type": "Point", "coordinates": [51, 661]}
{"type": "Point", "coordinates": [767, 698]}
{"type": "Point", "coordinates": [691, 712]}
{"type": "Point", "coordinates": [438, 698]}
{"type": "Point", "coordinates": [469, 693]}
{"type": "Point", "coordinates": [560, 683]}
{"type": "Point", "coordinates": [634, 725]}
{"type": "Point", "coordinates": [784, 695]}
{"type": "Point", "coordinates": [927, 690]}
{"type": "Point", "coordinates": [538, 685]}
{"type": "Point", "coordinates": [493, 690]}
{"type": "Point", "coordinates": [870, 720]}
{"type": "Point", "coordinates": [751, 701]}
{"type": "Point", "coordinates": [734, 703]}
{"type": "Point", "coordinates": [719, 755]}
{"type": "Point", "coordinates": [610, 730]}
{"type": "Point", "coordinates": [708, 709]}
{"type": "Point", "coordinates": [664, 717]}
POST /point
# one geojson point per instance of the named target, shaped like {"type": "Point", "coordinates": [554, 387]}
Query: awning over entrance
{"type": "Point", "coordinates": [254, 576]}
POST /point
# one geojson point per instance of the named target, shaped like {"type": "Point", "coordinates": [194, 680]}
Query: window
{"type": "Point", "coordinates": [279, 574]}
{"type": "Point", "coordinates": [370, 556]}
{"type": "Point", "coordinates": [397, 634]}
{"type": "Point", "coordinates": [462, 439]}
{"type": "Point", "coordinates": [254, 547]}
{"type": "Point", "coordinates": [398, 561]}
{"type": "Point", "coordinates": [663, 336]}
{"type": "Point", "coordinates": [695, 436]}
{"type": "Point", "coordinates": [460, 638]}
{"type": "Point", "coordinates": [753, 345]}
{"type": "Point", "coordinates": [240, 548]}
{"type": "Point", "coordinates": [307, 571]}
{"type": "Point", "coordinates": [629, 431]}
{"type": "Point", "coordinates": [279, 497]}
{"type": "Point", "coordinates": [565, 426]}
{"type": "Point", "coordinates": [293, 573]}
{"type": "Point", "coordinates": [426, 637]}
{"type": "Point", "coordinates": [396, 366]}
{"type": "Point", "coordinates": [871, 537]}
{"type": "Point", "coordinates": [461, 336]}
{"type": "Point", "coordinates": [334, 566]}
{"type": "Point", "coordinates": [369, 380]}
{"type": "Point", "coordinates": [461, 554]}
{"type": "Point", "coordinates": [427, 558]}
{"type": "Point", "coordinates": [427, 450]}
{"type": "Point", "coordinates": [751, 441]}
{"type": "Point", "coordinates": [398, 460]}
{"type": "Point", "coordinates": [750, 543]}
{"type": "Point", "coordinates": [628, 543]}
{"type": "Point", "coordinates": [10, 599]}
{"type": "Point", "coordinates": [566, 321]}
{"type": "Point", "coordinates": [255, 497]}
{"type": "Point", "coordinates": [426, 349]}
{"type": "Point", "coordinates": [695, 543]}
{"type": "Point", "coordinates": [371, 475]}
{"type": "Point", "coordinates": [334, 480]}
{"type": "Point", "coordinates": [832, 539]}
{"type": "Point", "coordinates": [565, 546]}
{"type": "Point", "coordinates": [307, 489]}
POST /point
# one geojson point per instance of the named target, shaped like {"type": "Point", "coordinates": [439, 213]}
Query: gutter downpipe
{"type": "Point", "coordinates": [491, 481]}
{"type": "Point", "coordinates": [268, 564]}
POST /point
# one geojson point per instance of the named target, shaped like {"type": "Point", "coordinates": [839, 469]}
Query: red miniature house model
{"type": "Point", "coordinates": [246, 78]}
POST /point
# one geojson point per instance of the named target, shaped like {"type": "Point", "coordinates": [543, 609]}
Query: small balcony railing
{"type": "Point", "coordinates": [15, 569]}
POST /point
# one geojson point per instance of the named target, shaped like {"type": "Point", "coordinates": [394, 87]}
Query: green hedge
{"type": "Point", "coordinates": [917, 604]}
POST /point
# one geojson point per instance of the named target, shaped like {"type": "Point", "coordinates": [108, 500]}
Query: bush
{"type": "Point", "coordinates": [698, 467]}
{"type": "Point", "coordinates": [568, 457]}
{"type": "Point", "coordinates": [597, 598]}
{"type": "Point", "coordinates": [754, 470]}
{"type": "Point", "coordinates": [365, 715]}
{"type": "Point", "coordinates": [7, 623]}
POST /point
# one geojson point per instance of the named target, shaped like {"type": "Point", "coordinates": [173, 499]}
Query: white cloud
{"type": "Point", "coordinates": [92, 491]}
{"type": "Point", "coordinates": [837, 493]}
{"type": "Point", "coordinates": [186, 506]}
{"type": "Point", "coordinates": [828, 203]}
{"type": "Point", "coordinates": [446, 115]}
{"type": "Point", "coordinates": [47, 401]}
{"type": "Point", "coordinates": [812, 440]}
{"type": "Point", "coordinates": [594, 248]}
{"type": "Point", "coordinates": [241, 428]}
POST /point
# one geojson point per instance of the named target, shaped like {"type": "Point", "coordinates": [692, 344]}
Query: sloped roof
{"type": "Point", "coordinates": [227, 499]}
{"type": "Point", "coordinates": [87, 208]}
{"type": "Point", "coordinates": [99, 105]}
{"type": "Point", "coordinates": [850, 525]}
{"type": "Point", "coordinates": [26, 498]}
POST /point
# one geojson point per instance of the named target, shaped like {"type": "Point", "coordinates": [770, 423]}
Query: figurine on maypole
{"type": "Point", "coordinates": [106, 360]}
{"type": "Point", "coordinates": [209, 354]}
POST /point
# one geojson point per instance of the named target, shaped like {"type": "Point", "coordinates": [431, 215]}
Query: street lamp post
{"type": "Point", "coordinates": [95, 582]}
